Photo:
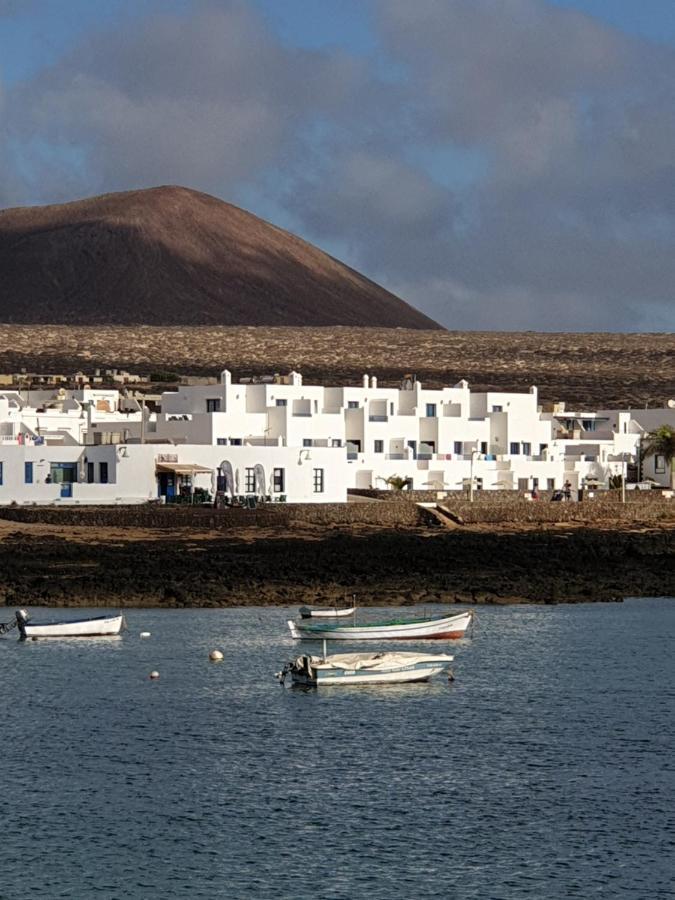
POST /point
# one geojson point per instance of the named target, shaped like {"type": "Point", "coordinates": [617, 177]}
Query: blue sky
{"type": "Point", "coordinates": [498, 163]}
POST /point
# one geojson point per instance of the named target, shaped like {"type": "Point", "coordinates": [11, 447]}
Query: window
{"type": "Point", "coordinates": [213, 405]}
{"type": "Point", "coordinates": [221, 441]}
{"type": "Point", "coordinates": [282, 402]}
{"type": "Point", "coordinates": [550, 484]}
{"type": "Point", "coordinates": [497, 409]}
{"type": "Point", "coordinates": [249, 481]}
{"type": "Point", "coordinates": [306, 442]}
{"type": "Point", "coordinates": [483, 447]}
{"type": "Point", "coordinates": [379, 447]}
{"type": "Point", "coordinates": [431, 410]}
{"type": "Point", "coordinates": [527, 449]}
{"type": "Point", "coordinates": [543, 447]}
{"type": "Point", "coordinates": [515, 449]}
{"type": "Point", "coordinates": [64, 473]}
{"type": "Point", "coordinates": [318, 481]}
{"type": "Point", "coordinates": [391, 409]}
{"type": "Point", "coordinates": [336, 442]}
{"type": "Point", "coordinates": [28, 472]}
{"type": "Point", "coordinates": [589, 424]}
{"type": "Point", "coordinates": [103, 472]}
{"type": "Point", "coordinates": [459, 447]}
{"type": "Point", "coordinates": [235, 442]}
{"type": "Point", "coordinates": [1, 481]}
{"type": "Point", "coordinates": [352, 404]}
{"type": "Point", "coordinates": [535, 483]}
{"type": "Point", "coordinates": [659, 464]}
{"type": "Point", "coordinates": [278, 481]}
{"type": "Point", "coordinates": [90, 473]}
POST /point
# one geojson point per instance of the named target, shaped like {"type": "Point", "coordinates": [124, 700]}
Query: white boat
{"type": "Point", "coordinates": [308, 613]}
{"type": "Point", "coordinates": [100, 626]}
{"type": "Point", "coordinates": [433, 628]}
{"type": "Point", "coordinates": [364, 668]}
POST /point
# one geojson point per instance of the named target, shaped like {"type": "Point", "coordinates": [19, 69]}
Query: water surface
{"type": "Point", "coordinates": [546, 770]}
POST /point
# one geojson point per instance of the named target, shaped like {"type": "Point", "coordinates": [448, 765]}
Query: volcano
{"type": "Point", "coordinates": [174, 256]}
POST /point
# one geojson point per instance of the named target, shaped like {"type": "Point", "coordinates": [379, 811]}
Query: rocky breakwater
{"type": "Point", "coordinates": [300, 561]}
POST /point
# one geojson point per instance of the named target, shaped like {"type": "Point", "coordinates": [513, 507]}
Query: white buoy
{"type": "Point", "coordinates": [216, 656]}
{"type": "Point", "coordinates": [154, 674]}
{"type": "Point", "coordinates": [144, 634]}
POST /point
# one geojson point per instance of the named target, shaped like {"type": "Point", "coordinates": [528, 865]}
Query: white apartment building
{"type": "Point", "coordinates": [281, 440]}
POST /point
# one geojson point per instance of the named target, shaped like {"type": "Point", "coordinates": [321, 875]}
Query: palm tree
{"type": "Point", "coordinates": [661, 442]}
{"type": "Point", "coordinates": [396, 482]}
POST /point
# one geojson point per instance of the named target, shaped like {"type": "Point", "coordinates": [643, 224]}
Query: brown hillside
{"type": "Point", "coordinates": [172, 256]}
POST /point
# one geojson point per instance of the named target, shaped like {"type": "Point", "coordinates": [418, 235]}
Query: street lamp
{"type": "Point", "coordinates": [473, 453]}
{"type": "Point", "coordinates": [624, 473]}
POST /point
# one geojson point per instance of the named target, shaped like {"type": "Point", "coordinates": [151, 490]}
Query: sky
{"type": "Point", "coordinates": [500, 164]}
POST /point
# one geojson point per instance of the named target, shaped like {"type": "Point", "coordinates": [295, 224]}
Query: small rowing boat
{"type": "Point", "coordinates": [364, 668]}
{"type": "Point", "coordinates": [308, 613]}
{"type": "Point", "coordinates": [99, 626]}
{"type": "Point", "coordinates": [432, 628]}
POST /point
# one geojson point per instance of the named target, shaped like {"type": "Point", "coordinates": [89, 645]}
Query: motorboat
{"type": "Point", "coordinates": [307, 612]}
{"type": "Point", "coordinates": [430, 628]}
{"type": "Point", "coordinates": [99, 626]}
{"type": "Point", "coordinates": [364, 668]}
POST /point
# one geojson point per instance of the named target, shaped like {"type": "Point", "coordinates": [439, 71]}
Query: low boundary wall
{"type": "Point", "coordinates": [399, 513]}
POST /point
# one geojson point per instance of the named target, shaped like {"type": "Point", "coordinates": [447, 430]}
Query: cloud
{"type": "Point", "coordinates": [504, 165]}
{"type": "Point", "coordinates": [208, 100]}
{"type": "Point", "coordinates": [570, 224]}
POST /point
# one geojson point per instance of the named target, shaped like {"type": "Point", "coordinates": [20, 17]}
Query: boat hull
{"type": "Point", "coordinates": [106, 626]}
{"type": "Point", "coordinates": [367, 668]}
{"type": "Point", "coordinates": [449, 627]}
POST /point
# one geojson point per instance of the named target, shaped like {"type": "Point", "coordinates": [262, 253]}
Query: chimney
{"type": "Point", "coordinates": [373, 381]}
{"type": "Point", "coordinates": [365, 381]}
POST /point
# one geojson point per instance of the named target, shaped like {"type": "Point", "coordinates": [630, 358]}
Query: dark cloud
{"type": "Point", "coordinates": [556, 209]}
{"type": "Point", "coordinates": [209, 100]}
{"type": "Point", "coordinates": [570, 223]}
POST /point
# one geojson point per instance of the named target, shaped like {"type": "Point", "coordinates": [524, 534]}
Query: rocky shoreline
{"type": "Point", "coordinates": [43, 565]}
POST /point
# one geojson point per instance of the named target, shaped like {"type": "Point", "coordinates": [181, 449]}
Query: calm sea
{"type": "Point", "coordinates": [546, 770]}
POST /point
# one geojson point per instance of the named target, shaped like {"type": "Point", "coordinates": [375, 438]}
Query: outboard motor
{"type": "Point", "coordinates": [21, 618]}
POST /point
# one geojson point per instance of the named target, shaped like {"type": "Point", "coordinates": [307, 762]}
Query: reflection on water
{"type": "Point", "coordinates": [544, 770]}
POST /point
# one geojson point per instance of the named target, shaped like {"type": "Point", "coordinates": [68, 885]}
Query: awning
{"type": "Point", "coordinates": [184, 468]}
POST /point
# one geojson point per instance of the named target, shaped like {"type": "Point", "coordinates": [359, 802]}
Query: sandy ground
{"type": "Point", "coordinates": [585, 370]}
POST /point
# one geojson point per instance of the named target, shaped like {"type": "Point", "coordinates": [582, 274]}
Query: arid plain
{"type": "Point", "coordinates": [585, 370]}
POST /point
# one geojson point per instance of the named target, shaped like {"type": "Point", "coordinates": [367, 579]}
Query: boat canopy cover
{"type": "Point", "coordinates": [357, 661]}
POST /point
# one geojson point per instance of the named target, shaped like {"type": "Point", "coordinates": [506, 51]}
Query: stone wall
{"type": "Point", "coordinates": [177, 517]}
{"type": "Point", "coordinates": [398, 511]}
{"type": "Point", "coordinates": [523, 512]}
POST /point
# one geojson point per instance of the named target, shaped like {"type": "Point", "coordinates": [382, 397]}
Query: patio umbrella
{"type": "Point", "coordinates": [259, 473]}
